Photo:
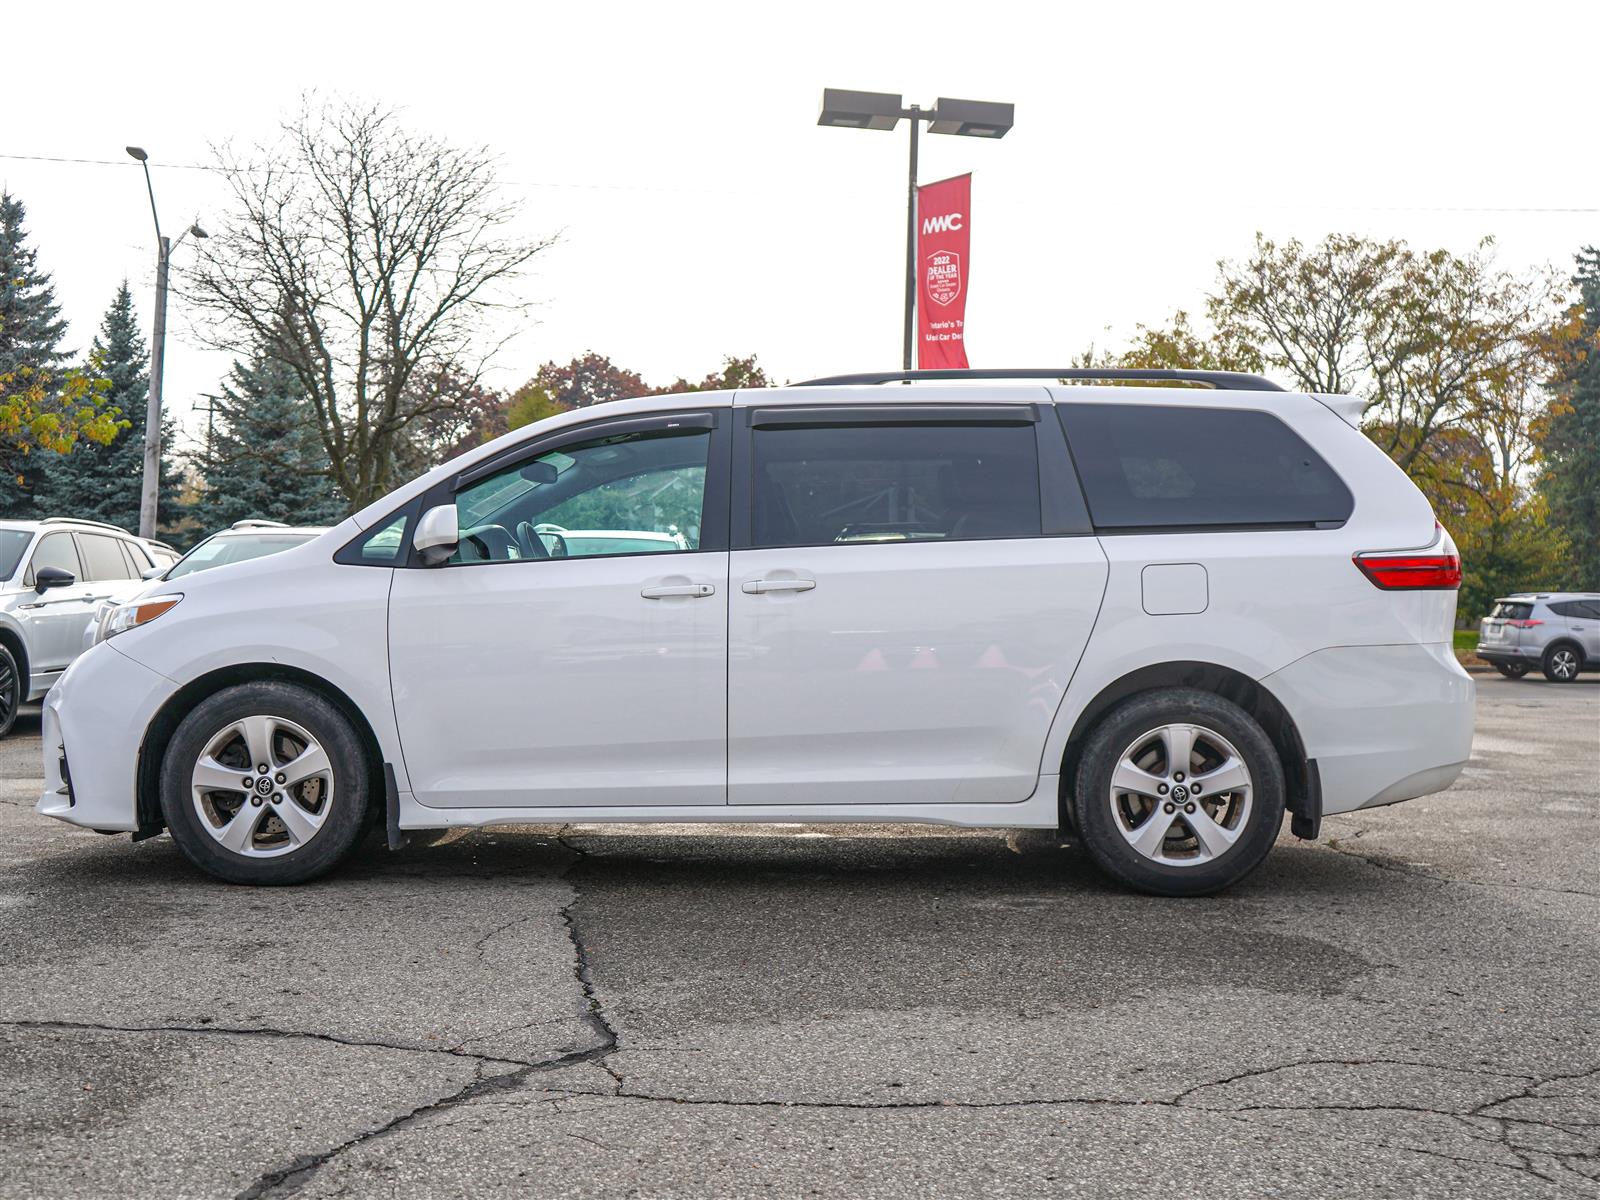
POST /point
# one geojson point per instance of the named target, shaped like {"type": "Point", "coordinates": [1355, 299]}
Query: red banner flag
{"type": "Point", "coordinates": [944, 238]}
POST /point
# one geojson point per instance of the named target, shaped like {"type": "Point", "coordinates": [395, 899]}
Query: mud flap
{"type": "Point", "coordinates": [1305, 807]}
{"type": "Point", "coordinates": [391, 801]}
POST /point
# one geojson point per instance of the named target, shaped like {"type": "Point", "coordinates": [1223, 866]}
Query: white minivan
{"type": "Point", "coordinates": [1158, 617]}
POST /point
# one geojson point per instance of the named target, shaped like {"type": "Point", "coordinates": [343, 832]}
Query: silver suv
{"type": "Point", "coordinates": [53, 574]}
{"type": "Point", "coordinates": [1558, 632]}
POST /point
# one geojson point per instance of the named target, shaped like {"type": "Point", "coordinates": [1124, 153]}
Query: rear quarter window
{"type": "Point", "coordinates": [1150, 466]}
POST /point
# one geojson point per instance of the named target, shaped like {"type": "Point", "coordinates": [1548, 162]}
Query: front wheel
{"type": "Point", "coordinates": [1179, 793]}
{"type": "Point", "coordinates": [265, 783]}
{"type": "Point", "coordinates": [1512, 670]}
{"type": "Point", "coordinates": [10, 690]}
{"type": "Point", "coordinates": [1562, 662]}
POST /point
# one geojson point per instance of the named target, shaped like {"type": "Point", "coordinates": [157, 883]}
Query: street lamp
{"type": "Point", "coordinates": [883, 110]}
{"type": "Point", "coordinates": [151, 488]}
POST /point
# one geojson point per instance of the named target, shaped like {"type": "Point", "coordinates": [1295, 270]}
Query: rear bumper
{"type": "Point", "coordinates": [1384, 723]}
{"type": "Point", "coordinates": [95, 717]}
{"type": "Point", "coordinates": [1507, 654]}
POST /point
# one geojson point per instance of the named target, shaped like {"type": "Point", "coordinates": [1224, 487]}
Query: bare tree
{"type": "Point", "coordinates": [361, 257]}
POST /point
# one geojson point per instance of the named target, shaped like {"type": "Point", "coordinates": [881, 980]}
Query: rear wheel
{"type": "Point", "coordinates": [1179, 792]}
{"type": "Point", "coordinates": [265, 783]}
{"type": "Point", "coordinates": [1512, 670]}
{"type": "Point", "coordinates": [1562, 662]}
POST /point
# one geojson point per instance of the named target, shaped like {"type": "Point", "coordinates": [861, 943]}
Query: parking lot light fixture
{"type": "Point", "coordinates": [845, 109]}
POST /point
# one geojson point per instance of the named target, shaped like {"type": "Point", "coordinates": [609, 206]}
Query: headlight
{"type": "Point", "coordinates": [130, 616]}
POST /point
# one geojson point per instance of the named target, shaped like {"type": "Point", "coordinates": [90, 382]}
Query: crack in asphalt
{"type": "Point", "coordinates": [295, 1175]}
{"type": "Point", "coordinates": [254, 1031]}
{"type": "Point", "coordinates": [1336, 844]}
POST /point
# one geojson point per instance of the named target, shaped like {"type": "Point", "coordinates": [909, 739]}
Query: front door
{"type": "Point", "coordinates": [574, 650]}
{"type": "Point", "coordinates": [55, 619]}
{"type": "Point", "coordinates": [907, 606]}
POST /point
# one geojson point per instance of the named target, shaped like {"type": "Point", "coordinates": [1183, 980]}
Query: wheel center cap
{"type": "Point", "coordinates": [264, 786]}
{"type": "Point", "coordinates": [1179, 793]}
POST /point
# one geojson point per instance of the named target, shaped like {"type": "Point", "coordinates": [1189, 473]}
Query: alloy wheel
{"type": "Point", "coordinates": [1564, 664]}
{"type": "Point", "coordinates": [1181, 795]}
{"type": "Point", "coordinates": [263, 786]}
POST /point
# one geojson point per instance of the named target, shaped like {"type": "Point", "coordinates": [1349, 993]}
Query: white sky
{"type": "Point", "coordinates": [703, 212]}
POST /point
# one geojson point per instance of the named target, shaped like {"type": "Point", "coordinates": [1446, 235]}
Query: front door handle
{"type": "Point", "coordinates": [695, 590]}
{"type": "Point", "coordinates": [757, 587]}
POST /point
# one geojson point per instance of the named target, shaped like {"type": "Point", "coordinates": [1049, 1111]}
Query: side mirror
{"type": "Point", "coordinates": [46, 578]}
{"type": "Point", "coordinates": [153, 573]}
{"type": "Point", "coordinates": [438, 534]}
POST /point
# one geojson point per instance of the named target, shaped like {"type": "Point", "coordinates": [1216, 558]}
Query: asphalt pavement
{"type": "Point", "coordinates": [1409, 1007]}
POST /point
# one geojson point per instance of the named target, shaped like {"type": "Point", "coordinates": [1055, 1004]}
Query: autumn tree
{"type": "Point", "coordinates": [735, 373]}
{"type": "Point", "coordinates": [46, 409]}
{"type": "Point", "coordinates": [360, 256]}
{"type": "Point", "coordinates": [590, 379]}
{"type": "Point", "coordinates": [1571, 477]}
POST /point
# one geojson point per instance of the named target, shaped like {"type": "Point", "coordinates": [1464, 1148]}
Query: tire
{"type": "Point", "coordinates": [1562, 662]}
{"type": "Point", "coordinates": [1237, 833]}
{"type": "Point", "coordinates": [1512, 670]}
{"type": "Point", "coordinates": [300, 822]}
{"type": "Point", "coordinates": [10, 690]}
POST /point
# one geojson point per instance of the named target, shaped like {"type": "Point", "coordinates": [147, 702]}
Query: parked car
{"type": "Point", "coordinates": [161, 554]}
{"type": "Point", "coordinates": [240, 542]}
{"type": "Point", "coordinates": [53, 573]}
{"type": "Point", "coordinates": [1558, 632]}
{"type": "Point", "coordinates": [1158, 617]}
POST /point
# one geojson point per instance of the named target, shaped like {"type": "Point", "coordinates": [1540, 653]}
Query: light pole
{"type": "Point", "coordinates": [884, 110]}
{"type": "Point", "coordinates": [158, 353]}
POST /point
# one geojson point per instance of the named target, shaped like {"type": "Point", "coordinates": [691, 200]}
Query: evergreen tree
{"type": "Point", "coordinates": [1571, 477]}
{"type": "Point", "coordinates": [264, 457]}
{"type": "Point", "coordinates": [103, 483]}
{"type": "Point", "coordinates": [31, 330]}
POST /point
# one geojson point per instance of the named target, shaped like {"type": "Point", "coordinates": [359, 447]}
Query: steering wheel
{"type": "Point", "coordinates": [493, 542]}
{"type": "Point", "coordinates": [533, 544]}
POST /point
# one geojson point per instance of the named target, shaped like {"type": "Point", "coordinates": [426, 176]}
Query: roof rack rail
{"type": "Point", "coordinates": [1228, 381]}
{"type": "Point", "coordinates": [259, 523]}
{"type": "Point", "coordinates": [82, 521]}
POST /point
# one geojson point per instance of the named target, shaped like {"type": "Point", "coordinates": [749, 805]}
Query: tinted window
{"type": "Point", "coordinates": [1511, 610]}
{"type": "Point", "coordinates": [1152, 466]}
{"type": "Point", "coordinates": [101, 558]}
{"type": "Point", "coordinates": [56, 550]}
{"type": "Point", "coordinates": [385, 545]}
{"type": "Point", "coordinates": [12, 543]}
{"type": "Point", "coordinates": [894, 483]}
{"type": "Point", "coordinates": [1589, 609]}
{"type": "Point", "coordinates": [636, 493]}
{"type": "Point", "coordinates": [1580, 609]}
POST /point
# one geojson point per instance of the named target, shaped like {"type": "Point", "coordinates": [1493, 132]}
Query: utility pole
{"type": "Point", "coordinates": [150, 491]}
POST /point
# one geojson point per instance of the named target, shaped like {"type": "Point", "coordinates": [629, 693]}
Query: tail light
{"type": "Point", "coordinates": [1523, 624]}
{"type": "Point", "coordinates": [1400, 572]}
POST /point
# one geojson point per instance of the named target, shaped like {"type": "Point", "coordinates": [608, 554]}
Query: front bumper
{"type": "Point", "coordinates": [1384, 723]}
{"type": "Point", "coordinates": [95, 717]}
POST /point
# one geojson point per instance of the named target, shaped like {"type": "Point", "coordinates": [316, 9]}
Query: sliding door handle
{"type": "Point", "coordinates": [758, 587]}
{"type": "Point", "coordinates": [695, 590]}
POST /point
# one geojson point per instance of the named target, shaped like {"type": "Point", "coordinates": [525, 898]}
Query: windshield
{"type": "Point", "coordinates": [12, 543]}
{"type": "Point", "coordinates": [223, 548]}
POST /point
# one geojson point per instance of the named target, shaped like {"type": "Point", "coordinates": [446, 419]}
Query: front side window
{"type": "Point", "coordinates": [1150, 466]}
{"type": "Point", "coordinates": [894, 483]}
{"type": "Point", "coordinates": [637, 493]}
{"type": "Point", "coordinates": [56, 550]}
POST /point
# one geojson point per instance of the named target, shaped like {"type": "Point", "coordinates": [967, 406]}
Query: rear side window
{"type": "Point", "coordinates": [102, 559]}
{"type": "Point", "coordinates": [852, 483]}
{"type": "Point", "coordinates": [1147, 466]}
{"type": "Point", "coordinates": [1510, 610]}
{"type": "Point", "coordinates": [1580, 609]}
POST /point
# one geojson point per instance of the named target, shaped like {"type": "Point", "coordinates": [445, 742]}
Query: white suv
{"type": "Point", "coordinates": [1159, 617]}
{"type": "Point", "coordinates": [53, 573]}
